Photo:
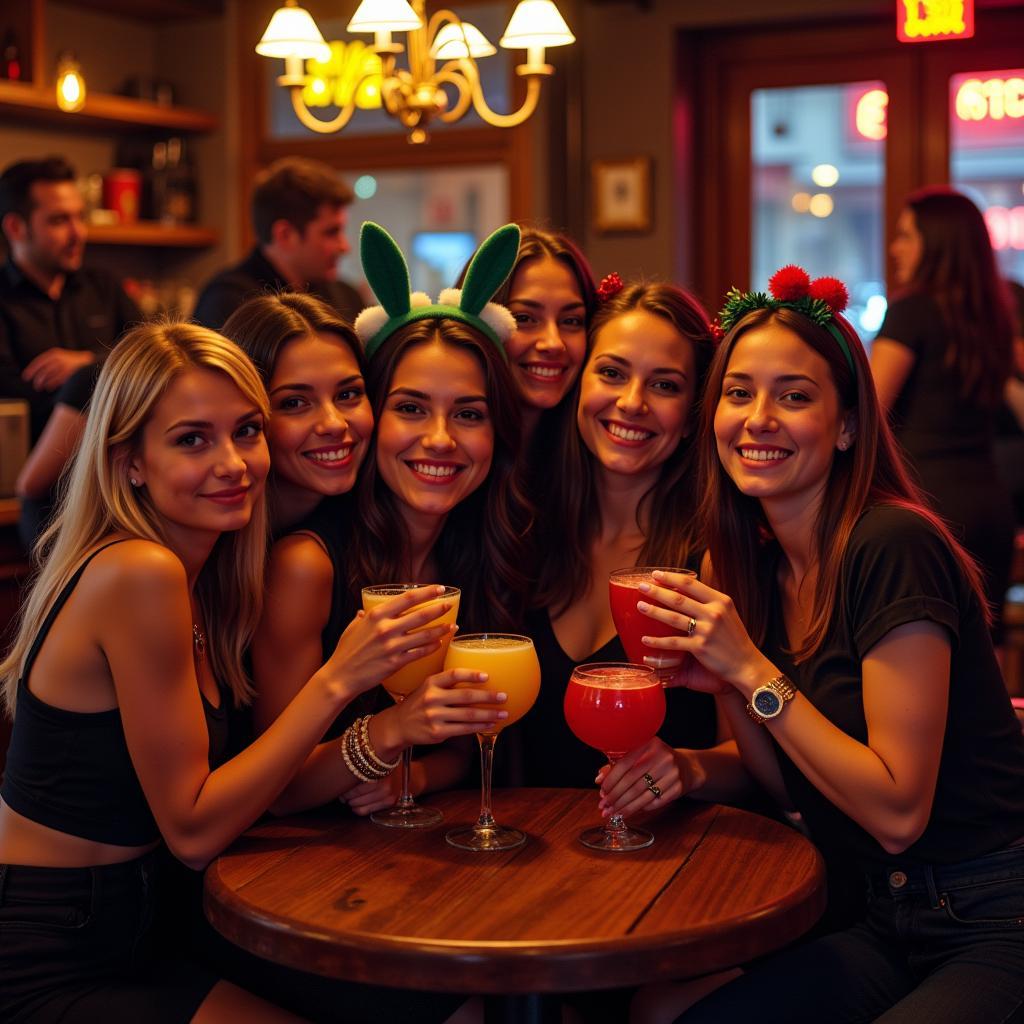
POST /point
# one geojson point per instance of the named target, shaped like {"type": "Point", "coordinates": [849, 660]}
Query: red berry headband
{"type": "Point", "coordinates": [792, 288]}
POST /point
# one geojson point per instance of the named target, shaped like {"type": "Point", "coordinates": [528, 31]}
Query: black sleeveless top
{"type": "Point", "coordinates": [71, 770]}
{"type": "Point", "coordinates": [330, 522]}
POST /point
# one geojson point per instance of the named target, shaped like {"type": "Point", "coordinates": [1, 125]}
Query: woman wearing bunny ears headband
{"type": "Point", "coordinates": [848, 633]}
{"type": "Point", "coordinates": [439, 498]}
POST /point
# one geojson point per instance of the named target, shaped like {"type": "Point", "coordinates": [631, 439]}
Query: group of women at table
{"type": "Point", "coordinates": [519, 450]}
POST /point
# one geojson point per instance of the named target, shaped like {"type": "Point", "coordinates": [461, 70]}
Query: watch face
{"type": "Point", "coordinates": [767, 702]}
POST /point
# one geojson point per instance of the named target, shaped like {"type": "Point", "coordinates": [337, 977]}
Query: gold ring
{"type": "Point", "coordinates": [692, 627]}
{"type": "Point", "coordinates": [651, 785]}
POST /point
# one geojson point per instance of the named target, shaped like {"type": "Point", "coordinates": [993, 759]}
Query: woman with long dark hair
{"type": "Point", "coordinates": [848, 632]}
{"type": "Point", "coordinates": [620, 493]}
{"type": "Point", "coordinates": [941, 362]}
{"type": "Point", "coordinates": [438, 498]}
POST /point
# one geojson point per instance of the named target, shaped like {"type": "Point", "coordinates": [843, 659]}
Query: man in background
{"type": "Point", "coordinates": [56, 316]}
{"type": "Point", "coordinates": [299, 216]}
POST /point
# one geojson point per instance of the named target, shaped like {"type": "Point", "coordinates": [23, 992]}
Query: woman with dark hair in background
{"type": "Point", "coordinates": [941, 362]}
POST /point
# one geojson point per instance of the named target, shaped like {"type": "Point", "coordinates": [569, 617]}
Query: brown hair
{"type": "Point", "coordinates": [18, 178]}
{"type": "Point", "coordinates": [293, 189]}
{"type": "Point", "coordinates": [958, 270]}
{"type": "Point", "coordinates": [870, 473]}
{"type": "Point", "coordinates": [263, 325]}
{"type": "Point", "coordinates": [570, 524]}
{"type": "Point", "coordinates": [536, 244]}
{"type": "Point", "coordinates": [481, 546]}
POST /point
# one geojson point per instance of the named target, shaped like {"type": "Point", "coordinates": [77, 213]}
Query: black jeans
{"type": "Point", "coordinates": [939, 945]}
{"type": "Point", "coordinates": [76, 945]}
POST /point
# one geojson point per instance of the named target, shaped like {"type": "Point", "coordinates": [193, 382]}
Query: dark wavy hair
{"type": "Point", "coordinates": [482, 545]}
{"type": "Point", "coordinates": [264, 324]}
{"type": "Point", "coordinates": [570, 525]}
{"type": "Point", "coordinates": [958, 270]}
{"type": "Point", "coordinates": [871, 472]}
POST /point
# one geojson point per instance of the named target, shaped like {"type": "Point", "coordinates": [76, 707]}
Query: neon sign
{"type": "Point", "coordinates": [870, 115]}
{"type": "Point", "coordinates": [921, 21]}
{"type": "Point", "coordinates": [1005, 226]}
{"type": "Point", "coordinates": [990, 99]}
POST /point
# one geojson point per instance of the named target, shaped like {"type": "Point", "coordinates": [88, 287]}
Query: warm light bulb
{"type": "Point", "coordinates": [825, 175]}
{"type": "Point", "coordinates": [292, 32]}
{"type": "Point", "coordinates": [455, 41]}
{"type": "Point", "coordinates": [70, 85]}
{"type": "Point", "coordinates": [821, 204]}
{"type": "Point", "coordinates": [536, 23]}
{"type": "Point", "coordinates": [384, 16]}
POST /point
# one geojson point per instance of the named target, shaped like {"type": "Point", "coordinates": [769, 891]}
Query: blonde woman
{"type": "Point", "coordinates": [128, 650]}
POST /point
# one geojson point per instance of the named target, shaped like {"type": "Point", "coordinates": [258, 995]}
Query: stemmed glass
{"type": "Point", "coordinates": [615, 707]}
{"type": "Point", "coordinates": [512, 667]}
{"type": "Point", "coordinates": [406, 813]}
{"type": "Point", "coordinates": [632, 625]}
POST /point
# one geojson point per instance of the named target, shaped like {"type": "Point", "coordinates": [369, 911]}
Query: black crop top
{"type": "Point", "coordinates": [71, 770]}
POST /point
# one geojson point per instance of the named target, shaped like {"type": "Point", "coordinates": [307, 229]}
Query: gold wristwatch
{"type": "Point", "coordinates": [767, 701]}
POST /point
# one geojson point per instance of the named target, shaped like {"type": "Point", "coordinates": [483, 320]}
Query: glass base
{"type": "Point", "coordinates": [616, 840]}
{"type": "Point", "coordinates": [408, 817]}
{"type": "Point", "coordinates": [485, 837]}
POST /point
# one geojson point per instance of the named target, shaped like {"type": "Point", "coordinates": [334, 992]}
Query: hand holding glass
{"type": "Point", "coordinates": [615, 707]}
{"type": "Point", "coordinates": [512, 668]}
{"type": "Point", "coordinates": [407, 813]}
{"type": "Point", "coordinates": [632, 625]}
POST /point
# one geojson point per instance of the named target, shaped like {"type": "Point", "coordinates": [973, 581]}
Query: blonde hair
{"type": "Point", "coordinates": [96, 498]}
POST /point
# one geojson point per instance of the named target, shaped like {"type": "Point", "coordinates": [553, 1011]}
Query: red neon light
{"type": "Point", "coordinates": [922, 21]}
{"type": "Point", "coordinates": [1005, 227]}
{"type": "Point", "coordinates": [870, 116]}
{"type": "Point", "coordinates": [993, 99]}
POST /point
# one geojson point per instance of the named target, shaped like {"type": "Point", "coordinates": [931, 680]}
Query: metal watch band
{"type": "Point", "coordinates": [785, 690]}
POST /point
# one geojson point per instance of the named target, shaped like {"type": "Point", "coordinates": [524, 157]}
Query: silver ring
{"type": "Point", "coordinates": [692, 627]}
{"type": "Point", "coordinates": [651, 785]}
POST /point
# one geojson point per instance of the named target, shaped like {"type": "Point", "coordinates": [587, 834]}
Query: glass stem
{"type": "Point", "coordinates": [616, 823]}
{"type": "Point", "coordinates": [486, 819]}
{"type": "Point", "coordinates": [405, 800]}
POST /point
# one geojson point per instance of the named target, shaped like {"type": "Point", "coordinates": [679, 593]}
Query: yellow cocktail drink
{"type": "Point", "coordinates": [408, 678]}
{"type": "Point", "coordinates": [511, 665]}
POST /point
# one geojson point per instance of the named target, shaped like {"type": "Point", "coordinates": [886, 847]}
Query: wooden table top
{"type": "Point", "coordinates": [342, 897]}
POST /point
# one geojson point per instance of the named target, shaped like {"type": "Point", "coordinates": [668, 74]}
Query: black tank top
{"type": "Point", "coordinates": [71, 770]}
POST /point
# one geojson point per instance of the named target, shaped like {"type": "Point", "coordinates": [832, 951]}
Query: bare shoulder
{"type": "Point", "coordinates": [299, 560]}
{"type": "Point", "coordinates": [134, 570]}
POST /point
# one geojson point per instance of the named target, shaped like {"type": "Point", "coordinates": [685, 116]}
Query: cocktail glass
{"type": "Point", "coordinates": [615, 707]}
{"type": "Point", "coordinates": [406, 813]}
{"type": "Point", "coordinates": [512, 667]}
{"type": "Point", "coordinates": [632, 625]}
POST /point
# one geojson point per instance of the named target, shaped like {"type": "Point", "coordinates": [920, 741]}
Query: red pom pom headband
{"type": "Point", "coordinates": [611, 284]}
{"type": "Point", "coordinates": [791, 287]}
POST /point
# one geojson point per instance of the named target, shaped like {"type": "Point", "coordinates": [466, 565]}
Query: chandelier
{"type": "Point", "coordinates": [442, 52]}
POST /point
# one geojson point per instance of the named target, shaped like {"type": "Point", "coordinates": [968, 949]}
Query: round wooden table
{"type": "Point", "coordinates": [342, 897]}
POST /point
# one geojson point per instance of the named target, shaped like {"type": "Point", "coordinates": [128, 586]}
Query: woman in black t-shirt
{"type": "Point", "coordinates": [848, 632]}
{"type": "Point", "coordinates": [941, 362]}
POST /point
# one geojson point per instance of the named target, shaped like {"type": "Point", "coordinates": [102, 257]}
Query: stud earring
{"type": "Point", "coordinates": [843, 445]}
{"type": "Point", "coordinates": [133, 481]}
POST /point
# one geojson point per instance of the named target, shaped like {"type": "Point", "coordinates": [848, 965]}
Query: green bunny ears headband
{"type": "Point", "coordinates": [820, 301]}
{"type": "Point", "coordinates": [388, 276]}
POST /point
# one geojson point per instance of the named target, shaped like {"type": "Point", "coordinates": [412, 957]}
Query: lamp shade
{"type": "Point", "coordinates": [292, 32]}
{"type": "Point", "coordinates": [536, 23]}
{"type": "Point", "coordinates": [456, 41]}
{"type": "Point", "coordinates": [384, 16]}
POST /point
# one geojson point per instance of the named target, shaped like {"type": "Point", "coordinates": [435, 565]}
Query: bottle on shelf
{"type": "Point", "coordinates": [10, 60]}
{"type": "Point", "coordinates": [180, 190]}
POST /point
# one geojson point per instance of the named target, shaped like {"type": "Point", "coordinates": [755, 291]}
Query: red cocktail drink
{"type": "Point", "coordinates": [632, 625]}
{"type": "Point", "coordinates": [615, 707]}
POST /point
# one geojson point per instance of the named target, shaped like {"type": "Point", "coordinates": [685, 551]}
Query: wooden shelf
{"type": "Point", "coordinates": [153, 234]}
{"type": "Point", "coordinates": [21, 101]}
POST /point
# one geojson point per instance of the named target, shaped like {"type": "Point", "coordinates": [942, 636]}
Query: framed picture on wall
{"type": "Point", "coordinates": [621, 192]}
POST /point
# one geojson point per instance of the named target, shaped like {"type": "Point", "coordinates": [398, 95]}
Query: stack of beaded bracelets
{"type": "Point", "coordinates": [359, 756]}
